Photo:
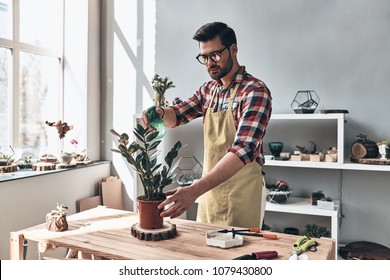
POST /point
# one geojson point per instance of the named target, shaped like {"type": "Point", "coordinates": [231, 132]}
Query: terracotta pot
{"type": "Point", "coordinates": [149, 214]}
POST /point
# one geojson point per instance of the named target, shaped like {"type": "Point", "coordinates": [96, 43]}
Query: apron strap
{"type": "Point", "coordinates": [233, 95]}
{"type": "Point", "coordinates": [234, 92]}
{"type": "Point", "coordinates": [214, 90]}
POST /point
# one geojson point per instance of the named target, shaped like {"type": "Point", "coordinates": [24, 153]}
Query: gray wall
{"type": "Point", "coordinates": [338, 48]}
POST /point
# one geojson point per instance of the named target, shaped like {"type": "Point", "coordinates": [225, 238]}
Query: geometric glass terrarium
{"type": "Point", "coordinates": [188, 169]}
{"type": "Point", "coordinates": [305, 102]}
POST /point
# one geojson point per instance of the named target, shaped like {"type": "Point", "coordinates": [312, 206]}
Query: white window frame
{"type": "Point", "coordinates": [16, 47]}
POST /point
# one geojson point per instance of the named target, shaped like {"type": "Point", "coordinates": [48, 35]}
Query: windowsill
{"type": "Point", "coordinates": [27, 173]}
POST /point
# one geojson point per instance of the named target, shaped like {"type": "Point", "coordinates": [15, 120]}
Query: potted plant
{"type": "Point", "coordinates": [315, 196]}
{"type": "Point", "coordinates": [142, 155]}
{"type": "Point", "coordinates": [278, 192]}
{"type": "Point", "coordinates": [316, 231]}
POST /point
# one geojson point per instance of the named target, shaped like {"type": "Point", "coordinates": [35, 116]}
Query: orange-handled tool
{"type": "Point", "coordinates": [264, 235]}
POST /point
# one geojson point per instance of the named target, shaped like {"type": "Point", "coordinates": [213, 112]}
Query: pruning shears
{"type": "Point", "coordinates": [303, 244]}
{"type": "Point", "coordinates": [249, 232]}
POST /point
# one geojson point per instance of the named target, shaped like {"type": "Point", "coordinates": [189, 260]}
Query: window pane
{"type": "Point", "coordinates": [5, 85]}
{"type": "Point", "coordinates": [41, 22]}
{"type": "Point", "coordinates": [39, 101]}
{"type": "Point", "coordinates": [6, 19]}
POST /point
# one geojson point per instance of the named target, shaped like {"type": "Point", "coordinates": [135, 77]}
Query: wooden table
{"type": "Point", "coordinates": [105, 233]}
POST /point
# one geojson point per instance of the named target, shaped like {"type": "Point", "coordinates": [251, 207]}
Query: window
{"type": "Point", "coordinates": [31, 73]}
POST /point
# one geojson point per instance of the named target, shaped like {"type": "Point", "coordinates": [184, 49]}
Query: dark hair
{"type": "Point", "coordinates": [211, 30]}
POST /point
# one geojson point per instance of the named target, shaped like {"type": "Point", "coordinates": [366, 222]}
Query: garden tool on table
{"type": "Point", "coordinates": [249, 232]}
{"type": "Point", "coordinates": [263, 255]}
{"type": "Point", "coordinates": [303, 244]}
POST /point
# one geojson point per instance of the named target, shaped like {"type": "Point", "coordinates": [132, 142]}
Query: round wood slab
{"type": "Point", "coordinates": [43, 166]}
{"type": "Point", "coordinates": [376, 161]}
{"type": "Point", "coordinates": [168, 231]}
{"type": "Point", "coordinates": [8, 168]}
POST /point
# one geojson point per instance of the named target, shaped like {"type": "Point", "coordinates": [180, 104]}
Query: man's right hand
{"type": "Point", "coordinates": [144, 118]}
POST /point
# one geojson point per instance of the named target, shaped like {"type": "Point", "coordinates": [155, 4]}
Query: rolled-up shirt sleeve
{"type": "Point", "coordinates": [254, 114]}
{"type": "Point", "coordinates": [190, 109]}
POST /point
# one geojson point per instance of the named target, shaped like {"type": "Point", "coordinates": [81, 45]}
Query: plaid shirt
{"type": "Point", "coordinates": [252, 108]}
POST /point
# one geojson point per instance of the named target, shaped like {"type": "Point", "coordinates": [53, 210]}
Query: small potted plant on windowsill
{"type": "Point", "coordinates": [142, 155]}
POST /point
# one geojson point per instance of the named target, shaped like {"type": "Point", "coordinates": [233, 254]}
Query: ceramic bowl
{"type": "Point", "coordinates": [66, 159]}
{"type": "Point", "coordinates": [276, 148]}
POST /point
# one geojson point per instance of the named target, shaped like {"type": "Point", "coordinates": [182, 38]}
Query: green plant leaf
{"type": "Point", "coordinates": [152, 136]}
{"type": "Point", "coordinates": [154, 144]}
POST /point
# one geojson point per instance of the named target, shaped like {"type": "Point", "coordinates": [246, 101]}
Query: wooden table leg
{"type": "Point", "coordinates": [16, 245]}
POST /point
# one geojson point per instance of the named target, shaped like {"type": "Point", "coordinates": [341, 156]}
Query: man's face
{"type": "Point", "coordinates": [217, 69]}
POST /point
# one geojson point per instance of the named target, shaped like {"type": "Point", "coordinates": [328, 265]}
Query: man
{"type": "Point", "coordinates": [236, 108]}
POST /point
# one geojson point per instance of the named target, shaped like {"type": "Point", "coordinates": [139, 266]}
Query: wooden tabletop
{"type": "Point", "coordinates": [105, 232]}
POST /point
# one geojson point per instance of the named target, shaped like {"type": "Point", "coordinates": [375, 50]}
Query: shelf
{"type": "Point", "coordinates": [338, 118]}
{"type": "Point", "coordinates": [316, 116]}
{"type": "Point", "coordinates": [347, 165]}
{"type": "Point", "coordinates": [298, 205]}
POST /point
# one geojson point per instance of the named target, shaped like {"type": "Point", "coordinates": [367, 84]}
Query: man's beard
{"type": "Point", "coordinates": [222, 71]}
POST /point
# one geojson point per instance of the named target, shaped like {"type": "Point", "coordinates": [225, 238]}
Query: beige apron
{"type": "Point", "coordinates": [239, 201]}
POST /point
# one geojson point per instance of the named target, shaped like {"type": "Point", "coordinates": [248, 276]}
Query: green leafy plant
{"type": "Point", "coordinates": [313, 230]}
{"type": "Point", "coordinates": [318, 195]}
{"type": "Point", "coordinates": [142, 156]}
{"type": "Point", "coordinates": [160, 85]}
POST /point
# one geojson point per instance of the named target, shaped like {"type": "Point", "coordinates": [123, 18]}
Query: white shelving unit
{"type": "Point", "coordinates": [296, 205]}
{"type": "Point", "coordinates": [303, 206]}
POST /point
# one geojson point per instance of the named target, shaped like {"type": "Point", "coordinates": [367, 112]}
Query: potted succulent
{"type": "Point", "coordinates": [278, 192]}
{"type": "Point", "coordinates": [142, 155]}
{"type": "Point", "coordinates": [315, 196]}
{"type": "Point", "coordinates": [316, 231]}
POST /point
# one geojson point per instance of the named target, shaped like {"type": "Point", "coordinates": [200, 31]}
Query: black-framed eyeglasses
{"type": "Point", "coordinates": [214, 56]}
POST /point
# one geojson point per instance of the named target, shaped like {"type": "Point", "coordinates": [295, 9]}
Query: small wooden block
{"type": "Point", "coordinates": [331, 158]}
{"type": "Point", "coordinates": [296, 157]}
{"type": "Point", "coordinates": [316, 158]}
{"type": "Point", "coordinates": [168, 231]}
{"type": "Point", "coordinates": [305, 156]}
{"type": "Point", "coordinates": [285, 155]}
